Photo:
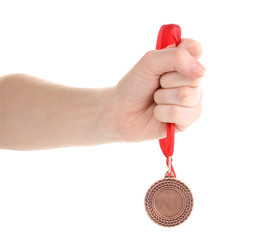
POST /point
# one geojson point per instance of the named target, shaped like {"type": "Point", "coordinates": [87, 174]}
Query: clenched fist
{"type": "Point", "coordinates": [162, 87]}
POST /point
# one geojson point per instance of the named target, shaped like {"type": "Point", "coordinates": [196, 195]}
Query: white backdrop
{"type": "Point", "coordinates": [98, 192]}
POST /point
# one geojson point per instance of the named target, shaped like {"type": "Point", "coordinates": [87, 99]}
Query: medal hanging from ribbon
{"type": "Point", "coordinates": [168, 202]}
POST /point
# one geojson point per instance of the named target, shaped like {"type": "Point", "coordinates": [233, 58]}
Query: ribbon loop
{"type": "Point", "coordinates": [168, 34]}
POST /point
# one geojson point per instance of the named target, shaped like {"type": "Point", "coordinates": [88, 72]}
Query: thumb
{"type": "Point", "coordinates": [158, 62]}
{"type": "Point", "coordinates": [142, 80]}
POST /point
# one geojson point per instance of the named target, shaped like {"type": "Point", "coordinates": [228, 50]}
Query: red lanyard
{"type": "Point", "coordinates": [168, 34]}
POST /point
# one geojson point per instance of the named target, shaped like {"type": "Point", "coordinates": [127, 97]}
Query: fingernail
{"type": "Point", "coordinates": [197, 68]}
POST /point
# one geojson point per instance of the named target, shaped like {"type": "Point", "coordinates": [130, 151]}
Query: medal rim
{"type": "Point", "coordinates": [155, 210]}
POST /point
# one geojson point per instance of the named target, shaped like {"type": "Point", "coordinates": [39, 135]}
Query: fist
{"type": "Point", "coordinates": [179, 98]}
{"type": "Point", "coordinates": [162, 87]}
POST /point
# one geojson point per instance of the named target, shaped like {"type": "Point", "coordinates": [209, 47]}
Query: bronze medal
{"type": "Point", "coordinates": [168, 202]}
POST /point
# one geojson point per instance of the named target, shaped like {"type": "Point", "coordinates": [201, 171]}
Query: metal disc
{"type": "Point", "coordinates": [168, 202]}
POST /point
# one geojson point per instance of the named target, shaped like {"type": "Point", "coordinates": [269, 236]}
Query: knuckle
{"type": "Point", "coordinates": [179, 52]}
{"type": "Point", "coordinates": [195, 46]}
{"type": "Point", "coordinates": [184, 95]}
{"type": "Point", "coordinates": [179, 55]}
{"type": "Point", "coordinates": [189, 96]}
{"type": "Point", "coordinates": [175, 113]}
{"type": "Point", "coordinates": [146, 61]}
{"type": "Point", "coordinates": [149, 54]}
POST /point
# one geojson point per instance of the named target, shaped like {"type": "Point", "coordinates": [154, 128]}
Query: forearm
{"type": "Point", "coordinates": [37, 114]}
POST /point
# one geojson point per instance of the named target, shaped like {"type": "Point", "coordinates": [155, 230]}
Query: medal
{"type": "Point", "coordinates": [168, 202]}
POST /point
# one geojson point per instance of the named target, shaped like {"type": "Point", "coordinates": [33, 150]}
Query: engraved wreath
{"type": "Point", "coordinates": [174, 184]}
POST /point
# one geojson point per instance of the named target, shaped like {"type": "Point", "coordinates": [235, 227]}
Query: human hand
{"type": "Point", "coordinates": [162, 87]}
{"type": "Point", "coordinates": [37, 114]}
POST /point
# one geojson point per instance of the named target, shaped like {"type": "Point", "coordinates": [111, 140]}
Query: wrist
{"type": "Point", "coordinates": [103, 125]}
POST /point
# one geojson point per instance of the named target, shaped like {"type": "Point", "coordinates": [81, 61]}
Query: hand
{"type": "Point", "coordinates": [37, 114]}
{"type": "Point", "coordinates": [162, 87]}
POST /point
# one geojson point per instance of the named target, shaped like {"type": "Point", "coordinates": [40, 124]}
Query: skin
{"type": "Point", "coordinates": [163, 86]}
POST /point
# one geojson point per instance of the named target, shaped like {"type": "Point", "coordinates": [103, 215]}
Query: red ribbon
{"type": "Point", "coordinates": [169, 34]}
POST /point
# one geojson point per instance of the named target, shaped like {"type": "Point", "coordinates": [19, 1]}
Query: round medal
{"type": "Point", "coordinates": [168, 202]}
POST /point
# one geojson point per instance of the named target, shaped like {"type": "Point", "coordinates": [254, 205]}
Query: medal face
{"type": "Point", "coordinates": [168, 202]}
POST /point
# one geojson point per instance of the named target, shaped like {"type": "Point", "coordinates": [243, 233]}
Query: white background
{"type": "Point", "coordinates": [98, 192]}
